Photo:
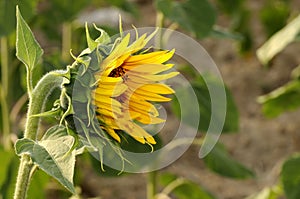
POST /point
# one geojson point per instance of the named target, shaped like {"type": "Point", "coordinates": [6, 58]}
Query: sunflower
{"type": "Point", "coordinates": [129, 82]}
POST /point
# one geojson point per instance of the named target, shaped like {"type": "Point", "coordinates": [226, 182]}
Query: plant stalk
{"type": "Point", "coordinates": [66, 40]}
{"type": "Point", "coordinates": [36, 105]}
{"type": "Point", "coordinates": [4, 92]}
{"type": "Point", "coordinates": [151, 185]}
{"type": "Point", "coordinates": [160, 24]}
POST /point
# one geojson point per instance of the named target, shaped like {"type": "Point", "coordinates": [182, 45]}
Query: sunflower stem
{"type": "Point", "coordinates": [66, 40]}
{"type": "Point", "coordinates": [151, 184]}
{"type": "Point", "coordinates": [36, 105]}
{"type": "Point", "coordinates": [4, 92]}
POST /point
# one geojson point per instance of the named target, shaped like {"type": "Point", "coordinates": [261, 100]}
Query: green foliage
{"type": "Point", "coordinates": [230, 7]}
{"type": "Point", "coordinates": [183, 188]}
{"type": "Point", "coordinates": [8, 173]}
{"type": "Point", "coordinates": [67, 10]}
{"type": "Point", "coordinates": [6, 158]}
{"type": "Point", "coordinates": [57, 162]}
{"type": "Point", "coordinates": [37, 188]}
{"type": "Point", "coordinates": [279, 41]}
{"type": "Point", "coordinates": [274, 11]}
{"type": "Point", "coordinates": [204, 102]}
{"type": "Point", "coordinates": [268, 193]}
{"type": "Point", "coordinates": [194, 16]}
{"type": "Point", "coordinates": [126, 6]}
{"type": "Point", "coordinates": [219, 161]}
{"type": "Point", "coordinates": [55, 152]}
{"type": "Point", "coordinates": [240, 19]}
{"type": "Point", "coordinates": [28, 49]}
{"type": "Point", "coordinates": [8, 14]}
{"type": "Point", "coordinates": [284, 98]}
{"type": "Point", "coordinates": [290, 177]}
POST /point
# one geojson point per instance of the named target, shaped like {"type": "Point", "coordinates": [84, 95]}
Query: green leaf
{"type": "Point", "coordinates": [268, 193]}
{"type": "Point", "coordinates": [195, 16]}
{"type": "Point", "coordinates": [27, 48]}
{"type": "Point", "coordinates": [53, 156]}
{"type": "Point", "coordinates": [290, 177]}
{"type": "Point", "coordinates": [230, 7]}
{"type": "Point", "coordinates": [279, 41]}
{"type": "Point", "coordinates": [221, 33]}
{"type": "Point", "coordinates": [67, 10]}
{"type": "Point", "coordinates": [285, 98]}
{"type": "Point", "coordinates": [219, 161]}
{"type": "Point", "coordinates": [274, 15]}
{"type": "Point", "coordinates": [201, 90]}
{"type": "Point", "coordinates": [186, 189]}
{"type": "Point", "coordinates": [38, 185]}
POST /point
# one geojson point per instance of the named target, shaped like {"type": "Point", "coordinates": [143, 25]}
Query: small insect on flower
{"type": "Point", "coordinates": [129, 82]}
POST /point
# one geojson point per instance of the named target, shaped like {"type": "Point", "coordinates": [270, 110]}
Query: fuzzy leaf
{"type": "Point", "coordinates": [53, 156]}
{"type": "Point", "coordinates": [28, 49]}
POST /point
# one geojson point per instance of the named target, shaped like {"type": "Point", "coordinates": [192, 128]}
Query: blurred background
{"type": "Point", "coordinates": [260, 135]}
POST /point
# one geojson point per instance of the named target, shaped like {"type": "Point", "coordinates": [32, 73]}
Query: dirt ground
{"type": "Point", "coordinates": [261, 143]}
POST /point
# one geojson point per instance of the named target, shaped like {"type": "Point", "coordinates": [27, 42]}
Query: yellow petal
{"type": "Point", "coordinates": [113, 134]}
{"type": "Point", "coordinates": [137, 79]}
{"type": "Point", "coordinates": [115, 109]}
{"type": "Point", "coordinates": [118, 50]}
{"type": "Point", "coordinates": [106, 112]}
{"type": "Point", "coordinates": [109, 121]}
{"type": "Point", "coordinates": [146, 119]}
{"type": "Point", "coordinates": [149, 68]}
{"type": "Point", "coordinates": [108, 80]}
{"type": "Point", "coordinates": [146, 135]}
{"type": "Point", "coordinates": [133, 131]}
{"type": "Point", "coordinates": [116, 91]}
{"type": "Point", "coordinates": [158, 57]}
{"type": "Point", "coordinates": [143, 107]}
{"type": "Point", "coordinates": [100, 99]}
{"type": "Point", "coordinates": [149, 96]}
{"type": "Point", "coordinates": [157, 88]}
{"type": "Point", "coordinates": [158, 77]}
{"type": "Point", "coordinates": [138, 44]}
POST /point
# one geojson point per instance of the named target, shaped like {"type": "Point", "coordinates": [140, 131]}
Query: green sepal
{"type": "Point", "coordinates": [102, 39]}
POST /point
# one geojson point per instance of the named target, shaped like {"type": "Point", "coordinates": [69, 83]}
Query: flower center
{"type": "Point", "coordinates": [117, 72]}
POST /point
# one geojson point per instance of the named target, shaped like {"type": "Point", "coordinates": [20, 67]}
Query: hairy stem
{"type": "Point", "coordinates": [4, 92]}
{"type": "Point", "coordinates": [36, 105]}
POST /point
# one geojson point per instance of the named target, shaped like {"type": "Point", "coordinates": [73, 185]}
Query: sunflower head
{"type": "Point", "coordinates": [115, 85]}
{"type": "Point", "coordinates": [129, 83]}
